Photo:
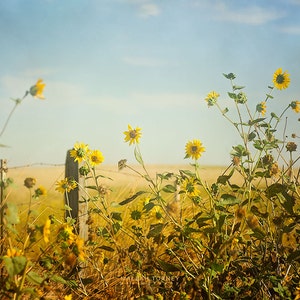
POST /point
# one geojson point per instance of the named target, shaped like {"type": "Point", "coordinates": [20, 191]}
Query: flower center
{"type": "Point", "coordinates": [194, 148]}
{"type": "Point", "coordinates": [132, 134]}
{"type": "Point", "coordinates": [280, 78]}
{"type": "Point", "coordinates": [80, 152]}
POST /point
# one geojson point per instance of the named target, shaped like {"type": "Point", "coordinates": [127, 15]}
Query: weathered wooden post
{"type": "Point", "coordinates": [3, 171]}
{"type": "Point", "coordinates": [74, 199]}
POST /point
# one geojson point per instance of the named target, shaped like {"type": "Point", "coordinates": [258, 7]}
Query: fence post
{"type": "Point", "coordinates": [74, 199]}
{"type": "Point", "coordinates": [3, 171]}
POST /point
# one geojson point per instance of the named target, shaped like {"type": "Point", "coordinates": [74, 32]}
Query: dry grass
{"type": "Point", "coordinates": [123, 182]}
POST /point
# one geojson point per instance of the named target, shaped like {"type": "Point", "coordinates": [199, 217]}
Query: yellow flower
{"type": "Point", "coordinates": [66, 185]}
{"type": "Point", "coordinates": [96, 157]}
{"type": "Point", "coordinates": [37, 90]}
{"type": "Point", "coordinates": [67, 234]}
{"type": "Point", "coordinates": [79, 248]}
{"type": "Point", "coordinates": [132, 135]}
{"type": "Point", "coordinates": [189, 186]}
{"type": "Point", "coordinates": [40, 191]}
{"type": "Point", "coordinates": [297, 293]}
{"type": "Point", "coordinates": [68, 297]}
{"type": "Point", "coordinates": [295, 105]}
{"type": "Point", "coordinates": [194, 149]}
{"type": "Point", "coordinates": [79, 152]}
{"type": "Point", "coordinates": [261, 108]}
{"type": "Point", "coordinates": [281, 79]}
{"type": "Point", "coordinates": [46, 230]}
{"type": "Point", "coordinates": [212, 98]}
{"type": "Point", "coordinates": [13, 252]}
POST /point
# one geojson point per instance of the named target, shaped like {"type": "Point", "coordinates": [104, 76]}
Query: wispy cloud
{"type": "Point", "coordinates": [252, 15]}
{"type": "Point", "coordinates": [146, 8]}
{"type": "Point", "coordinates": [143, 61]}
{"type": "Point", "coordinates": [290, 30]}
{"type": "Point", "coordinates": [149, 10]}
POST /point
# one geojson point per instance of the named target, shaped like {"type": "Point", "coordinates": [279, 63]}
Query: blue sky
{"type": "Point", "coordinates": [148, 63]}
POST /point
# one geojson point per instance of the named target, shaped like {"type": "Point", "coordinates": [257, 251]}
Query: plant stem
{"type": "Point", "coordinates": [17, 102]}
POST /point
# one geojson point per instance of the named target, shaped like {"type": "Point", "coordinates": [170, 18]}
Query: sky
{"type": "Point", "coordinates": [147, 63]}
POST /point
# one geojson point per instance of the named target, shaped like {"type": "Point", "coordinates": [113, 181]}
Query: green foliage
{"type": "Point", "coordinates": [178, 237]}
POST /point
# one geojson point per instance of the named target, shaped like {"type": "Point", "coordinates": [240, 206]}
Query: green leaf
{"type": "Point", "coordinates": [225, 111]}
{"type": "Point", "coordinates": [130, 199]}
{"type": "Point", "coordinates": [107, 248]}
{"type": "Point", "coordinates": [138, 156]}
{"type": "Point", "coordinates": [220, 222]}
{"type": "Point", "coordinates": [275, 189]}
{"type": "Point", "coordinates": [132, 248]}
{"type": "Point", "coordinates": [34, 278]}
{"type": "Point", "coordinates": [251, 136]}
{"type": "Point", "coordinates": [230, 76]}
{"type": "Point", "coordinates": [155, 230]}
{"type": "Point", "coordinates": [11, 214]}
{"type": "Point", "coordinates": [287, 202]}
{"type": "Point", "coordinates": [237, 87]}
{"type": "Point", "coordinates": [202, 221]}
{"type": "Point", "coordinates": [273, 115]}
{"type": "Point", "coordinates": [269, 96]}
{"type": "Point", "coordinates": [223, 179]}
{"type": "Point", "coordinates": [102, 176]}
{"type": "Point", "coordinates": [165, 176]}
{"type": "Point", "coordinates": [232, 95]}
{"type": "Point", "coordinates": [210, 230]}
{"type": "Point", "coordinates": [258, 233]}
{"type": "Point", "coordinates": [67, 207]}
{"type": "Point", "coordinates": [217, 267]}
{"type": "Point", "coordinates": [252, 122]}
{"type": "Point", "coordinates": [91, 187]}
{"type": "Point", "coordinates": [148, 206]}
{"type": "Point", "coordinates": [186, 173]}
{"type": "Point", "coordinates": [116, 216]}
{"type": "Point", "coordinates": [167, 267]}
{"type": "Point", "coordinates": [14, 265]}
{"type": "Point", "coordinates": [239, 151]}
{"type": "Point", "coordinates": [228, 199]}
{"type": "Point", "coordinates": [58, 279]}
{"type": "Point", "coordinates": [169, 188]}
{"type": "Point", "coordinates": [254, 209]}
{"type": "Point", "coordinates": [87, 281]}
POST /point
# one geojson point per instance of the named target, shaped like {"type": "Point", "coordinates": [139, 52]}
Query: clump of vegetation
{"type": "Point", "coordinates": [179, 237]}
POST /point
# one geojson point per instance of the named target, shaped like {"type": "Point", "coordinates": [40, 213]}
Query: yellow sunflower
{"type": "Point", "coordinates": [66, 185]}
{"type": "Point", "coordinates": [212, 98]}
{"type": "Point", "coordinates": [95, 158]}
{"type": "Point", "coordinates": [281, 79]}
{"type": "Point", "coordinates": [40, 191]}
{"type": "Point", "coordinates": [194, 149]}
{"type": "Point", "coordinates": [132, 135]}
{"type": "Point", "coordinates": [189, 186]}
{"type": "Point", "coordinates": [46, 230]}
{"type": "Point", "coordinates": [261, 108]}
{"type": "Point", "coordinates": [295, 105]}
{"type": "Point", "coordinates": [37, 90]}
{"type": "Point", "coordinates": [80, 152]}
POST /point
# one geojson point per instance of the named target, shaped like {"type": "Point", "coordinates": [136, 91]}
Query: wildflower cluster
{"type": "Point", "coordinates": [175, 236]}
